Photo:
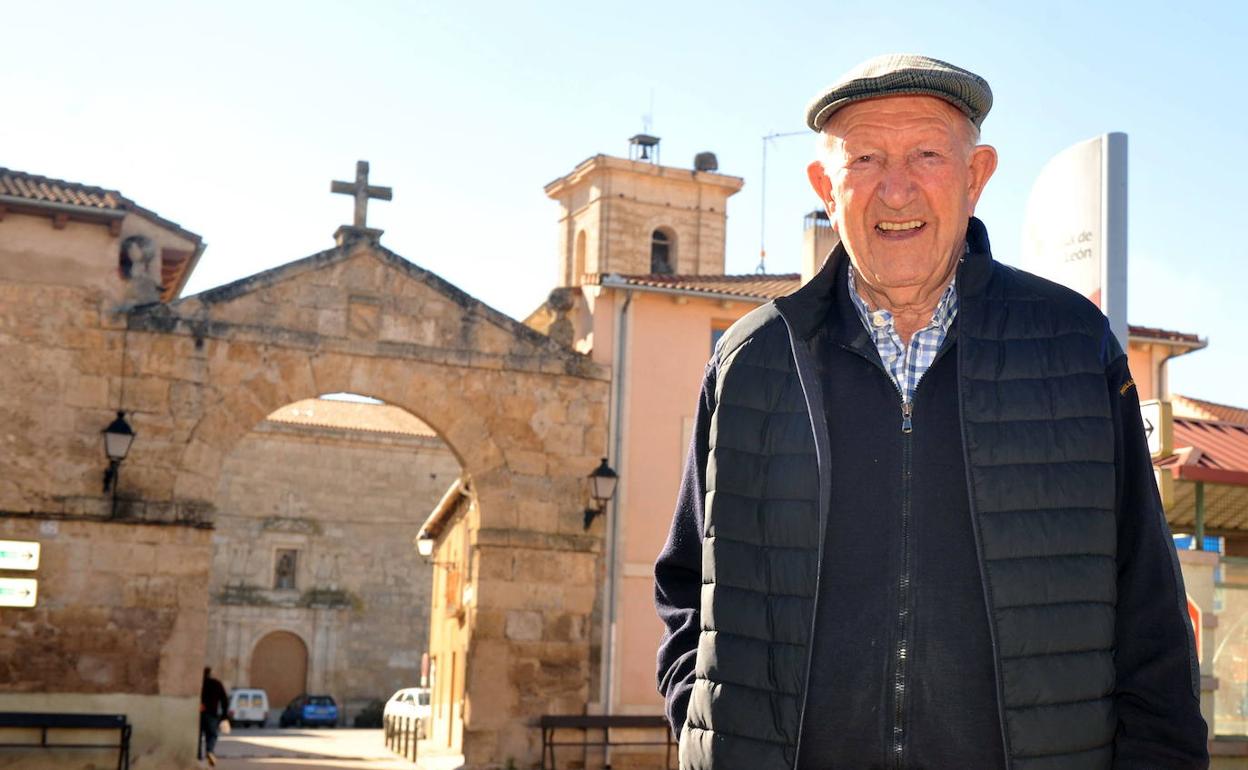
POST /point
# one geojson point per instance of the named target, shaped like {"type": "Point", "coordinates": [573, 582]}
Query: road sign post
{"type": "Point", "coordinates": [1158, 427]}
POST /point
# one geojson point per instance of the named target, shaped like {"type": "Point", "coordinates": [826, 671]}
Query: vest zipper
{"type": "Point", "coordinates": [903, 581]}
{"type": "Point", "coordinates": [903, 590]}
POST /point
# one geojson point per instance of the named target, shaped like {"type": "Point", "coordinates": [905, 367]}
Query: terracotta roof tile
{"type": "Point", "coordinates": [350, 415]}
{"type": "Point", "coordinates": [751, 286]}
{"type": "Point", "coordinates": [19, 184]}
{"type": "Point", "coordinates": [1195, 408]}
{"type": "Point", "coordinates": [1221, 445]}
{"type": "Point", "coordinates": [1164, 335]}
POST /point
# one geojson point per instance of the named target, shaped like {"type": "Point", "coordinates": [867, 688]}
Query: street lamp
{"type": "Point", "coordinates": [118, 437]}
{"type": "Point", "coordinates": [424, 544]}
{"type": "Point", "coordinates": [602, 483]}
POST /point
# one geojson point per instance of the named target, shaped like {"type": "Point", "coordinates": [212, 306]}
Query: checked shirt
{"type": "Point", "coordinates": [907, 364]}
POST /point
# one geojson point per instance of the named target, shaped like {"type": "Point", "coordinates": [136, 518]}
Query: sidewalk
{"type": "Point", "coordinates": [348, 749]}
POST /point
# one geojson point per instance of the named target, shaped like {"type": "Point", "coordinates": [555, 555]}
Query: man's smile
{"type": "Point", "coordinates": [900, 230]}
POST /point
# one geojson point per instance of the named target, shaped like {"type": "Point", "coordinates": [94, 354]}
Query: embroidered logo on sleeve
{"type": "Point", "coordinates": [1128, 385]}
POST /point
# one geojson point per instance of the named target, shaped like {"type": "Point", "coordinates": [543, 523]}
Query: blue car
{"type": "Point", "coordinates": [310, 711]}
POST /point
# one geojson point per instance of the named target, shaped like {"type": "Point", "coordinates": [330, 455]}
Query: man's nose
{"type": "Point", "coordinates": [897, 188]}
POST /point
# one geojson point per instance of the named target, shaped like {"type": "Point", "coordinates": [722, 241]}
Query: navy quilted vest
{"type": "Point", "coordinates": [1039, 452]}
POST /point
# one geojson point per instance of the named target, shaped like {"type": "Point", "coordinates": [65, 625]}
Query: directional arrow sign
{"type": "Point", "coordinates": [19, 554]}
{"type": "Point", "coordinates": [18, 592]}
{"type": "Point", "coordinates": [1158, 427]}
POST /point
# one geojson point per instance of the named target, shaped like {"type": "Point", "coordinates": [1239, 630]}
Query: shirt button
{"type": "Point", "coordinates": [877, 320]}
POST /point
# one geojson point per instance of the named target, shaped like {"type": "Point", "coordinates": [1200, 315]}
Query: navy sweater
{"type": "Point", "coordinates": [900, 565]}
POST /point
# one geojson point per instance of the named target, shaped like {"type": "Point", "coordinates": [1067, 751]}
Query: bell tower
{"type": "Point", "coordinates": [633, 216]}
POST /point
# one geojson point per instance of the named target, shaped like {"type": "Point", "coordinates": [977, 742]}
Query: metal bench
{"type": "Point", "coordinates": [45, 722]}
{"type": "Point", "coordinates": [551, 723]}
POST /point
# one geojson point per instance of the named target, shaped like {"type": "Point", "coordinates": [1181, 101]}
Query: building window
{"type": "Point", "coordinates": [285, 567]}
{"type": "Point", "coordinates": [662, 252]}
{"type": "Point", "coordinates": [717, 330]}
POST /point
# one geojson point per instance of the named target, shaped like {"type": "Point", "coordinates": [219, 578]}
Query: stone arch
{"type": "Point", "coordinates": [524, 416]}
{"type": "Point", "coordinates": [241, 405]}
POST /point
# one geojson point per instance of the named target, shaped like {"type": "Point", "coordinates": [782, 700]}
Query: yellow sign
{"type": "Point", "coordinates": [18, 592]}
{"type": "Point", "coordinates": [19, 555]}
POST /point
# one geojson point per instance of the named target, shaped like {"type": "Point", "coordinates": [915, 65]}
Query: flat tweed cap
{"type": "Point", "coordinates": [899, 74]}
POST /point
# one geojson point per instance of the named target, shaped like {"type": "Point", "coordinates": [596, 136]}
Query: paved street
{"type": "Point", "coordinates": [309, 749]}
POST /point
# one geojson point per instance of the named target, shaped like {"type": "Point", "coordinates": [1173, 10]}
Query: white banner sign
{"type": "Point", "coordinates": [19, 555]}
{"type": "Point", "coordinates": [18, 592]}
{"type": "Point", "coordinates": [1075, 225]}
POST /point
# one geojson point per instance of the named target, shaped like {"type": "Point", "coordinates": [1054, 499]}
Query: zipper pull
{"type": "Point", "coordinates": [906, 410]}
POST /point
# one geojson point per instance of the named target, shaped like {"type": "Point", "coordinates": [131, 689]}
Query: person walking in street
{"type": "Point", "coordinates": [214, 704]}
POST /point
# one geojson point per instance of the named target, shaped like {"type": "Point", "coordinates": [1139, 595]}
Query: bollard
{"type": "Point", "coordinates": [412, 728]}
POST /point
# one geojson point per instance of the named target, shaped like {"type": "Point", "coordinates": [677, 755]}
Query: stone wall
{"type": "Point", "coordinates": [119, 628]}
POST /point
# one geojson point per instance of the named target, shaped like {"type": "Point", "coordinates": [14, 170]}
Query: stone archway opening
{"type": "Point", "coordinates": [316, 512]}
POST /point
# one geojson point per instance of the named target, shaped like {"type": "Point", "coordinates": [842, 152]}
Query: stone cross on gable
{"type": "Point", "coordinates": [362, 191]}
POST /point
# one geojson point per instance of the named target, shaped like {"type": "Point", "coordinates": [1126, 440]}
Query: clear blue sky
{"type": "Point", "coordinates": [231, 118]}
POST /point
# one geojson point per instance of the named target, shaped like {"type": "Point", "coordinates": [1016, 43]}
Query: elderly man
{"type": "Point", "coordinates": [918, 526]}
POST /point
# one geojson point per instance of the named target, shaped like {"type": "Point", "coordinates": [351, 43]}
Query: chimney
{"type": "Point", "coordinates": [818, 240]}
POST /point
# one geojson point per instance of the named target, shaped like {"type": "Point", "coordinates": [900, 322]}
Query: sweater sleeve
{"type": "Point", "coordinates": [1158, 682]}
{"type": "Point", "coordinates": [678, 571]}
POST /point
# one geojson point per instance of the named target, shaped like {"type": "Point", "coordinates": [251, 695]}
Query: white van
{"type": "Point", "coordinates": [249, 706]}
{"type": "Point", "coordinates": [412, 702]}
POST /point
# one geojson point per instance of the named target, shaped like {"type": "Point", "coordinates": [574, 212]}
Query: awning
{"type": "Point", "coordinates": [1204, 483]}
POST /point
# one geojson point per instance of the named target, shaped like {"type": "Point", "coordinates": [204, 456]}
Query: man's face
{"type": "Point", "coordinates": [901, 181]}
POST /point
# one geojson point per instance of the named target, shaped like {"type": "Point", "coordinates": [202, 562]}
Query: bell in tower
{"type": "Point", "coordinates": [645, 148]}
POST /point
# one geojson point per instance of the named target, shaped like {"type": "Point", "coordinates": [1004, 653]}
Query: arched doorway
{"type": "Point", "coordinates": [279, 666]}
{"type": "Point", "coordinates": [304, 496]}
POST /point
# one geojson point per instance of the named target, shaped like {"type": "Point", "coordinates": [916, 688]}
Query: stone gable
{"type": "Point", "coordinates": [373, 300]}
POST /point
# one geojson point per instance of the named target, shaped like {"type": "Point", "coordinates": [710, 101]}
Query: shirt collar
{"type": "Point", "coordinates": [942, 316]}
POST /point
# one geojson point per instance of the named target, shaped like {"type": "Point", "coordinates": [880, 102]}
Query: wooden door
{"type": "Point", "coordinates": [279, 666]}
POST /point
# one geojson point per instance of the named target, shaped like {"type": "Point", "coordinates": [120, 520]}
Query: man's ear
{"type": "Point", "coordinates": [983, 163]}
{"type": "Point", "coordinates": [822, 184]}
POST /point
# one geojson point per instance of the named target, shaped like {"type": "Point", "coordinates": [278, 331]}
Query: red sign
{"type": "Point", "coordinates": [1194, 614]}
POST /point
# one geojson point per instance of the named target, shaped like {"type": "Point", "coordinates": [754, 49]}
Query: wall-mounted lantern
{"type": "Point", "coordinates": [118, 437]}
{"type": "Point", "coordinates": [602, 483]}
{"type": "Point", "coordinates": [424, 544]}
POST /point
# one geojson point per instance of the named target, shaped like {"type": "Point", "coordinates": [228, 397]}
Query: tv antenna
{"type": "Point", "coordinates": [647, 120]}
{"type": "Point", "coordinates": [762, 217]}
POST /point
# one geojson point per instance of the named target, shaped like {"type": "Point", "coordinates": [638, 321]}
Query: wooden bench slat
{"type": "Point", "coordinates": [598, 721]}
{"type": "Point", "coordinates": [75, 721]}
{"type": "Point", "coordinates": [43, 722]}
{"type": "Point", "coordinates": [549, 723]}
